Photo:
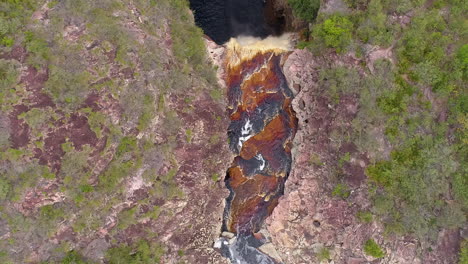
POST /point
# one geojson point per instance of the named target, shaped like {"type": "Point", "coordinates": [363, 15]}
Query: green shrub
{"type": "Point", "coordinates": [38, 49]}
{"type": "Point", "coordinates": [364, 216]}
{"type": "Point", "coordinates": [73, 257]}
{"type": "Point", "coordinates": [127, 144]}
{"type": "Point", "coordinates": [8, 75]}
{"type": "Point", "coordinates": [142, 252]}
{"type": "Point", "coordinates": [335, 32]}
{"type": "Point", "coordinates": [341, 190]}
{"type": "Point", "coordinates": [305, 9]}
{"type": "Point", "coordinates": [463, 255]}
{"type": "Point", "coordinates": [147, 112]}
{"type": "Point", "coordinates": [462, 60]}
{"type": "Point", "coordinates": [188, 44]}
{"type": "Point", "coordinates": [371, 248]}
{"type": "Point", "coordinates": [4, 188]}
{"type": "Point", "coordinates": [374, 28]}
{"type": "Point", "coordinates": [323, 254]}
{"type": "Point", "coordinates": [51, 213]}
{"type": "Point", "coordinates": [68, 88]}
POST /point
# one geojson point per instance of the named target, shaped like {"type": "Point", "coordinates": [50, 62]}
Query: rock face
{"type": "Point", "coordinates": [308, 219]}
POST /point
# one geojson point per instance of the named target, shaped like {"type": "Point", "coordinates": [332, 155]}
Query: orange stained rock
{"type": "Point", "coordinates": [252, 82]}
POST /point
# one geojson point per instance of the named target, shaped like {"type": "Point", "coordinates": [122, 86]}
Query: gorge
{"type": "Point", "coordinates": [263, 123]}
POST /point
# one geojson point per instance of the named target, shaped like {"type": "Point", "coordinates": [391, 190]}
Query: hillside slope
{"type": "Point", "coordinates": [112, 134]}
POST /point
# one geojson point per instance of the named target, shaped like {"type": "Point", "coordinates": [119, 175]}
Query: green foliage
{"type": "Point", "coordinates": [13, 15]}
{"type": "Point", "coordinates": [341, 190]}
{"type": "Point", "coordinates": [340, 80]}
{"type": "Point", "coordinates": [323, 254]}
{"type": "Point", "coordinates": [463, 255]}
{"type": "Point", "coordinates": [371, 248]}
{"type": "Point", "coordinates": [97, 121]}
{"type": "Point", "coordinates": [67, 87]}
{"type": "Point", "coordinates": [215, 177]}
{"type": "Point", "coordinates": [141, 252]}
{"type": "Point", "coordinates": [364, 216]}
{"type": "Point", "coordinates": [335, 32]}
{"type": "Point", "coordinates": [8, 76]}
{"type": "Point", "coordinates": [50, 213]}
{"type": "Point", "coordinates": [374, 28]}
{"type": "Point", "coordinates": [305, 9]}
{"type": "Point", "coordinates": [462, 60]}
{"type": "Point", "coordinates": [315, 160]}
{"type": "Point", "coordinates": [188, 39]}
{"type": "Point", "coordinates": [37, 117]}
{"type": "Point", "coordinates": [115, 173]}
{"type": "Point", "coordinates": [4, 188]}
{"type": "Point", "coordinates": [127, 144]}
{"type": "Point", "coordinates": [217, 94]}
{"type": "Point", "coordinates": [189, 135]}
{"type": "Point", "coordinates": [126, 218]}
{"type": "Point", "coordinates": [73, 257]}
{"type": "Point", "coordinates": [38, 47]}
{"type": "Point", "coordinates": [147, 112]}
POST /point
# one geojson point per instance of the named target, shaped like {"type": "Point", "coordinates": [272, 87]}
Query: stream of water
{"type": "Point", "coordinates": [263, 123]}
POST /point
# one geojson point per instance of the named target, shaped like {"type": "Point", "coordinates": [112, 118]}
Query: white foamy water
{"type": "Point", "coordinates": [246, 133]}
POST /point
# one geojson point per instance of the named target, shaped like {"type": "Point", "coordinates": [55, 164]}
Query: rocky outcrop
{"type": "Point", "coordinates": [309, 220]}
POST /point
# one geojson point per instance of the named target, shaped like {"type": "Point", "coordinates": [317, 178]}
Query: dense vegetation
{"type": "Point", "coordinates": [305, 9]}
{"type": "Point", "coordinates": [418, 178]}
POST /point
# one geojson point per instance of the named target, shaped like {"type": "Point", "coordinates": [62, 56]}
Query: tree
{"type": "Point", "coordinates": [305, 9]}
{"type": "Point", "coordinates": [335, 31]}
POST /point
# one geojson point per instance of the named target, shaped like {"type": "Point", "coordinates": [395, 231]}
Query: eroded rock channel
{"type": "Point", "coordinates": [263, 123]}
{"type": "Point", "coordinates": [262, 127]}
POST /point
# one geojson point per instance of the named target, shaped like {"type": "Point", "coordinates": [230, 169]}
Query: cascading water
{"type": "Point", "coordinates": [263, 123]}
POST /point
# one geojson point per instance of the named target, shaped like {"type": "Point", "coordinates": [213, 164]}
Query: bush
{"type": "Point", "coordinates": [341, 190]}
{"type": "Point", "coordinates": [374, 28]}
{"type": "Point", "coordinates": [371, 248]}
{"type": "Point", "coordinates": [463, 255]}
{"type": "Point", "coordinates": [73, 257]}
{"type": "Point", "coordinates": [68, 88]}
{"type": "Point", "coordinates": [335, 32]}
{"type": "Point", "coordinates": [142, 252]}
{"type": "Point", "coordinates": [364, 216]}
{"type": "Point", "coordinates": [8, 75]}
{"type": "Point", "coordinates": [128, 144]}
{"type": "Point", "coordinates": [4, 188]}
{"type": "Point", "coordinates": [305, 9]}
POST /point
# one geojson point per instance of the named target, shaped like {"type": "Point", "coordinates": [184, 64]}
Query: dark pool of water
{"type": "Point", "coordinates": [223, 19]}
